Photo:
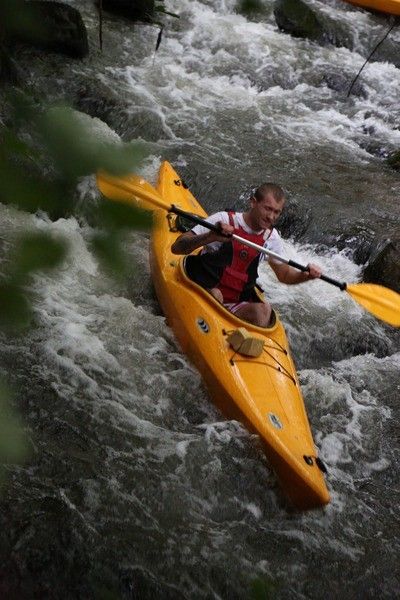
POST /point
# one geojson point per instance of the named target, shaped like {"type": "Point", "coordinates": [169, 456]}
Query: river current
{"type": "Point", "coordinates": [136, 486]}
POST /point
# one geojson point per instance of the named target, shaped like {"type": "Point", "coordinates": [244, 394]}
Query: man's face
{"type": "Point", "coordinates": [265, 212]}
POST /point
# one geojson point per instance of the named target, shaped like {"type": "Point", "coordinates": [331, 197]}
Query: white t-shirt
{"type": "Point", "coordinates": [272, 242]}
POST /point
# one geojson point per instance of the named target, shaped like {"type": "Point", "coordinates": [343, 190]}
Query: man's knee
{"type": "Point", "coordinates": [257, 313]}
{"type": "Point", "coordinates": [217, 294]}
{"type": "Point", "coordinates": [262, 313]}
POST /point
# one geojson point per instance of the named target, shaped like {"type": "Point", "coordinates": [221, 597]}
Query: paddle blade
{"type": "Point", "coordinates": [131, 189]}
{"type": "Point", "coordinates": [378, 300]}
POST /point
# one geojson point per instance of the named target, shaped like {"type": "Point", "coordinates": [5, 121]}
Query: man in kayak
{"type": "Point", "coordinates": [228, 269]}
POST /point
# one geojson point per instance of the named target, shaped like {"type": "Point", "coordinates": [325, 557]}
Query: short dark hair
{"type": "Point", "coordinates": [269, 188]}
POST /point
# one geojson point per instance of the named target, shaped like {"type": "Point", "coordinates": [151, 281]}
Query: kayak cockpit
{"type": "Point", "coordinates": [220, 307]}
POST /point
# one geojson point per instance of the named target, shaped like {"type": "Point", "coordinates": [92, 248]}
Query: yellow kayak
{"type": "Point", "coordinates": [262, 391]}
{"type": "Point", "coordinates": [391, 7]}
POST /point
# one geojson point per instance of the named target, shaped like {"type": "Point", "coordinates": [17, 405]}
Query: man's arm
{"type": "Point", "coordinates": [291, 276]}
{"type": "Point", "coordinates": [189, 241]}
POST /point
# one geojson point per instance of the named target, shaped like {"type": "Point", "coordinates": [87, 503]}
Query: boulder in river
{"type": "Point", "coordinates": [393, 160]}
{"type": "Point", "coordinates": [53, 26]}
{"type": "Point", "coordinates": [137, 10]}
{"type": "Point", "coordinates": [384, 265]}
{"type": "Point", "coordinates": [304, 20]}
{"type": "Point", "coordinates": [8, 68]}
{"type": "Point", "coordinates": [298, 19]}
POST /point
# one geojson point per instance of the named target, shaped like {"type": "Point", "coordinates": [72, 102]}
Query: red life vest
{"type": "Point", "coordinates": [235, 276]}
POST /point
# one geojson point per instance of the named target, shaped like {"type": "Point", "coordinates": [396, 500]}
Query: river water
{"type": "Point", "coordinates": [136, 486]}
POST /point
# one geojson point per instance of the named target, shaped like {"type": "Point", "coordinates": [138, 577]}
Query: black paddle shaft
{"type": "Point", "coordinates": [196, 219]}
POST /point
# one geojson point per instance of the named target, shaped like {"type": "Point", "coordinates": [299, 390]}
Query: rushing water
{"type": "Point", "coordinates": [136, 486]}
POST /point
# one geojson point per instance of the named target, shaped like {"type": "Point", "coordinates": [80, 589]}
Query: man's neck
{"type": "Point", "coordinates": [247, 220]}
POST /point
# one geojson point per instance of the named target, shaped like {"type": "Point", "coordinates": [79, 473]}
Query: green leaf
{"type": "Point", "coordinates": [122, 216]}
{"type": "Point", "coordinates": [78, 149]}
{"type": "Point", "coordinates": [30, 192]}
{"type": "Point", "coordinates": [108, 250]}
{"type": "Point", "coordinates": [12, 144]}
{"type": "Point", "coordinates": [15, 310]}
{"type": "Point", "coordinates": [37, 251]}
{"type": "Point", "coordinates": [263, 589]}
{"type": "Point", "coordinates": [20, 19]}
{"type": "Point", "coordinates": [13, 444]}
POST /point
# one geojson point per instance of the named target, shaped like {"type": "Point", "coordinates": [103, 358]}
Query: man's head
{"type": "Point", "coordinates": [266, 206]}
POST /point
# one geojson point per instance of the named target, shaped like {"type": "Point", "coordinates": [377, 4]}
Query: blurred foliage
{"type": "Point", "coordinates": [44, 151]}
{"type": "Point", "coordinates": [17, 18]}
{"type": "Point", "coordinates": [34, 252]}
{"type": "Point", "coordinates": [263, 589]}
{"type": "Point", "coordinates": [42, 158]}
{"type": "Point", "coordinates": [13, 446]}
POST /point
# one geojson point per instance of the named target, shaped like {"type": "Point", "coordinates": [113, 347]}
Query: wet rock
{"type": "Point", "coordinates": [98, 101]}
{"type": "Point", "coordinates": [301, 20]}
{"type": "Point", "coordinates": [294, 220]}
{"type": "Point", "coordinates": [340, 82]}
{"type": "Point", "coordinates": [359, 240]}
{"type": "Point", "coordinates": [8, 68]}
{"type": "Point", "coordinates": [384, 265]}
{"type": "Point", "coordinates": [393, 160]}
{"type": "Point", "coordinates": [137, 10]}
{"type": "Point", "coordinates": [54, 26]}
{"type": "Point", "coordinates": [388, 51]}
{"type": "Point", "coordinates": [298, 19]}
{"type": "Point", "coordinates": [130, 123]}
{"type": "Point", "coordinates": [373, 147]}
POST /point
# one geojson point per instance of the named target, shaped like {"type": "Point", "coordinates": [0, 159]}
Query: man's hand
{"type": "Point", "coordinates": [314, 271]}
{"type": "Point", "coordinates": [292, 276]}
{"type": "Point", "coordinates": [226, 231]}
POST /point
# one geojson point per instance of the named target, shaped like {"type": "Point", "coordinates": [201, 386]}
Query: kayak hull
{"type": "Point", "coordinates": [262, 392]}
{"type": "Point", "coordinates": [390, 7]}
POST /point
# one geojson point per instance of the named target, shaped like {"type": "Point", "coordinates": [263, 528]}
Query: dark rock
{"type": "Point", "coordinates": [301, 20]}
{"type": "Point", "coordinates": [384, 265]}
{"type": "Point", "coordinates": [294, 220]}
{"type": "Point", "coordinates": [340, 82]}
{"type": "Point", "coordinates": [388, 51]}
{"type": "Point", "coordinates": [357, 239]}
{"type": "Point", "coordinates": [98, 102]}
{"type": "Point", "coordinates": [144, 122]}
{"type": "Point", "coordinates": [393, 160]}
{"type": "Point", "coordinates": [56, 26]}
{"type": "Point", "coordinates": [137, 10]}
{"type": "Point", "coordinates": [8, 68]}
{"type": "Point", "coordinates": [298, 19]}
{"type": "Point", "coordinates": [374, 147]}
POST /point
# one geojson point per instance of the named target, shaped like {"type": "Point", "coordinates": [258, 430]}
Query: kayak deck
{"type": "Point", "coordinates": [263, 392]}
{"type": "Point", "coordinates": [391, 7]}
